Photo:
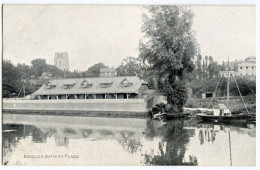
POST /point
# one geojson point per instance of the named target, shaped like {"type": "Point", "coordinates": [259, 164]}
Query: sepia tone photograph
{"type": "Point", "coordinates": [128, 85]}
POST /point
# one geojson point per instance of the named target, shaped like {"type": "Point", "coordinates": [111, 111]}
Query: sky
{"type": "Point", "coordinates": [109, 33]}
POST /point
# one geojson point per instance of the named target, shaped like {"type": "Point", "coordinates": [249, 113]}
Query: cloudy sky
{"type": "Point", "coordinates": [109, 33]}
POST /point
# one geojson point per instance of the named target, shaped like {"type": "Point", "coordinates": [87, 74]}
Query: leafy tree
{"type": "Point", "coordinates": [210, 59]}
{"type": "Point", "coordinates": [198, 64]}
{"type": "Point", "coordinates": [11, 79]}
{"type": "Point", "coordinates": [168, 49]}
{"type": "Point", "coordinates": [131, 66]}
{"type": "Point", "coordinates": [38, 66]}
{"type": "Point", "coordinates": [206, 66]}
{"type": "Point", "coordinates": [56, 72]}
{"type": "Point", "coordinates": [24, 70]}
{"type": "Point", "coordinates": [94, 70]}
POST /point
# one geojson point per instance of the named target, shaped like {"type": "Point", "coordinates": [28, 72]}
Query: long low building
{"type": "Point", "coordinates": [93, 88]}
{"type": "Point", "coordinates": [112, 94]}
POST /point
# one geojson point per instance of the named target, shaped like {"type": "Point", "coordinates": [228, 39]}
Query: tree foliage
{"type": "Point", "coordinates": [11, 79]}
{"type": "Point", "coordinates": [131, 66]}
{"type": "Point", "coordinates": [168, 48]}
{"type": "Point", "coordinates": [94, 70]}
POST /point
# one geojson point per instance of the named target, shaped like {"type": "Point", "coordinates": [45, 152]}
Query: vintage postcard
{"type": "Point", "coordinates": [129, 85]}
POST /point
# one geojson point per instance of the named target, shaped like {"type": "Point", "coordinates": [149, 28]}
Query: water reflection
{"type": "Point", "coordinates": [124, 141]}
{"type": "Point", "coordinates": [174, 140]}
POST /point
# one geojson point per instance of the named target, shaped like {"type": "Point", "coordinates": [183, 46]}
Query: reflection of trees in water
{"type": "Point", "coordinates": [207, 135]}
{"type": "Point", "coordinates": [10, 139]}
{"type": "Point", "coordinates": [62, 141]}
{"type": "Point", "coordinates": [130, 145]}
{"type": "Point", "coordinates": [175, 137]}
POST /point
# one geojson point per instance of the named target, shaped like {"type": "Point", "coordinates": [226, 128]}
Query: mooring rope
{"type": "Point", "coordinates": [248, 86]}
{"type": "Point", "coordinates": [240, 94]}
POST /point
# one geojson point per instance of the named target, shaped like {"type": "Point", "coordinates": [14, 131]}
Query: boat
{"type": "Point", "coordinates": [222, 113]}
{"type": "Point", "coordinates": [159, 116]}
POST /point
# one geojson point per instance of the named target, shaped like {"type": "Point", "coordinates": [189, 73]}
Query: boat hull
{"type": "Point", "coordinates": [225, 119]}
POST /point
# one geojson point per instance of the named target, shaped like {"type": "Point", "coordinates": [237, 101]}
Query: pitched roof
{"type": "Point", "coordinates": [97, 86]}
{"type": "Point", "coordinates": [247, 64]}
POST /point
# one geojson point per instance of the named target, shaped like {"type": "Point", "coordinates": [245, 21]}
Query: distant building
{"type": "Point", "coordinates": [107, 72]}
{"type": "Point", "coordinates": [248, 67]}
{"type": "Point", "coordinates": [61, 60]}
{"type": "Point", "coordinates": [244, 68]}
{"type": "Point", "coordinates": [46, 75]}
{"type": "Point", "coordinates": [208, 95]}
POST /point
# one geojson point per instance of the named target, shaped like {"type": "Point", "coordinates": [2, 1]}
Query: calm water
{"type": "Point", "coordinates": [64, 140]}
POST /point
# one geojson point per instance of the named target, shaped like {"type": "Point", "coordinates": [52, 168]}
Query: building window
{"type": "Point", "coordinates": [252, 67]}
{"type": "Point", "coordinates": [125, 83]}
{"type": "Point", "coordinates": [241, 67]}
{"type": "Point", "coordinates": [50, 85]}
{"type": "Point", "coordinates": [86, 84]}
{"type": "Point", "coordinates": [105, 85]}
{"type": "Point", "coordinates": [246, 67]}
{"type": "Point", "coordinates": [68, 86]}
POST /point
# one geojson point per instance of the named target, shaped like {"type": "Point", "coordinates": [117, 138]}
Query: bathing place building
{"type": "Point", "coordinates": [107, 93]}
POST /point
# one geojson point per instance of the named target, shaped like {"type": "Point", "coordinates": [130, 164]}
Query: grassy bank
{"type": "Point", "coordinates": [235, 103]}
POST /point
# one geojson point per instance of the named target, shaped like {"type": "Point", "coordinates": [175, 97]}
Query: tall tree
{"type": "Point", "coordinates": [11, 79]}
{"type": "Point", "coordinates": [203, 68]}
{"type": "Point", "coordinates": [198, 65]}
{"type": "Point", "coordinates": [206, 65]}
{"type": "Point", "coordinates": [169, 48]}
{"type": "Point", "coordinates": [131, 66]}
{"type": "Point", "coordinates": [38, 66]}
{"type": "Point", "coordinates": [94, 70]}
{"type": "Point", "coordinates": [211, 59]}
{"type": "Point", "coordinates": [24, 70]}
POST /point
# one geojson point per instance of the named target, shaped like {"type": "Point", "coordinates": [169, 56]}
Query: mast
{"type": "Point", "coordinates": [228, 84]}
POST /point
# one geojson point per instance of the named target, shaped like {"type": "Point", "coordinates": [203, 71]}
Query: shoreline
{"type": "Point", "coordinates": [118, 114]}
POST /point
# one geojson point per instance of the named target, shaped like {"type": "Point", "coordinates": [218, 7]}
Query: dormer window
{"type": "Point", "coordinates": [126, 83]}
{"type": "Point", "coordinates": [67, 86]}
{"type": "Point", "coordinates": [105, 85]}
{"type": "Point", "coordinates": [49, 85]}
{"type": "Point", "coordinates": [86, 84]}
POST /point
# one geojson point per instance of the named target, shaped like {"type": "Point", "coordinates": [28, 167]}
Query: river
{"type": "Point", "coordinates": [69, 140]}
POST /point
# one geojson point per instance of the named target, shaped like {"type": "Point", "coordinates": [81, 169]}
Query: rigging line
{"type": "Point", "coordinates": [214, 92]}
{"type": "Point", "coordinates": [19, 92]}
{"type": "Point", "coordinates": [230, 154]}
{"type": "Point", "coordinates": [219, 87]}
{"type": "Point", "coordinates": [248, 86]}
{"type": "Point", "coordinates": [240, 94]}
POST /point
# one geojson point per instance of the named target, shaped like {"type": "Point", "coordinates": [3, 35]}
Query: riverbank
{"type": "Point", "coordinates": [79, 113]}
{"type": "Point", "coordinates": [235, 103]}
